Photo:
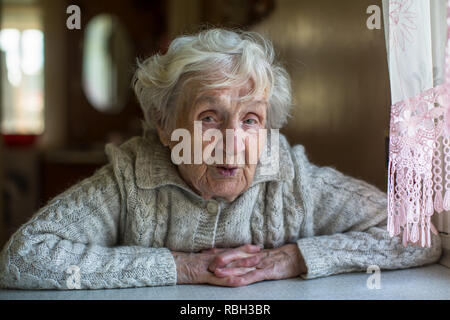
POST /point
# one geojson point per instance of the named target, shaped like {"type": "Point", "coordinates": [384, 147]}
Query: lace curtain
{"type": "Point", "coordinates": [419, 150]}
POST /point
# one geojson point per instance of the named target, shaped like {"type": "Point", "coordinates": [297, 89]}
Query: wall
{"type": "Point", "coordinates": [54, 17]}
{"type": "Point", "coordinates": [340, 83]}
{"type": "Point", "coordinates": [145, 24]}
{"type": "Point", "coordinates": [182, 16]}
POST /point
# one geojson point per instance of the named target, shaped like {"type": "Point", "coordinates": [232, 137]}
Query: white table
{"type": "Point", "coordinates": [429, 282]}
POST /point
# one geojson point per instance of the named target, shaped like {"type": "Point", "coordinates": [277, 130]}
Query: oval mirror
{"type": "Point", "coordinates": [107, 57]}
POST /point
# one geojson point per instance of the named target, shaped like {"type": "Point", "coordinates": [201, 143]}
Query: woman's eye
{"type": "Point", "coordinates": [208, 119]}
{"type": "Point", "coordinates": [250, 121]}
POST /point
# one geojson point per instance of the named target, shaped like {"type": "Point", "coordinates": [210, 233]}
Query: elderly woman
{"type": "Point", "coordinates": [148, 219]}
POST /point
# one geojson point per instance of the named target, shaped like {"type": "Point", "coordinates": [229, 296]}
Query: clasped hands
{"type": "Point", "coordinates": [234, 267]}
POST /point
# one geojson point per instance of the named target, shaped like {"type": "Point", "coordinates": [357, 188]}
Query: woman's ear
{"type": "Point", "coordinates": [163, 136]}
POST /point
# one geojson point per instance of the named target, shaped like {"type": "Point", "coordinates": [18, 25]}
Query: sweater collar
{"type": "Point", "coordinates": [154, 168]}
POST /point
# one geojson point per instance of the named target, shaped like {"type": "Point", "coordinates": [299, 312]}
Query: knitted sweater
{"type": "Point", "coordinates": [116, 228]}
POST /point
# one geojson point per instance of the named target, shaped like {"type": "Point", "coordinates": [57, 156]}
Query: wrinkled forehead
{"type": "Point", "coordinates": [222, 95]}
{"type": "Point", "coordinates": [197, 92]}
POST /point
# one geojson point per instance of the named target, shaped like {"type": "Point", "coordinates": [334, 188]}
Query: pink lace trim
{"type": "Point", "coordinates": [418, 172]}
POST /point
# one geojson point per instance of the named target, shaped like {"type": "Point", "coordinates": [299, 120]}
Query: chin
{"type": "Point", "coordinates": [227, 190]}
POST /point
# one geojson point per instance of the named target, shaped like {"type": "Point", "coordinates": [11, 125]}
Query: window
{"type": "Point", "coordinates": [22, 65]}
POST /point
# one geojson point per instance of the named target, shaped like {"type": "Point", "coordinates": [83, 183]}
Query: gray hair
{"type": "Point", "coordinates": [220, 58]}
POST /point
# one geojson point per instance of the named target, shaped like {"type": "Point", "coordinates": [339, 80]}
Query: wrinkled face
{"type": "Point", "coordinates": [238, 149]}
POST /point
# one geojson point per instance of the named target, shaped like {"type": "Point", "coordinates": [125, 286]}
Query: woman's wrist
{"type": "Point", "coordinates": [178, 264]}
{"type": "Point", "coordinates": [302, 266]}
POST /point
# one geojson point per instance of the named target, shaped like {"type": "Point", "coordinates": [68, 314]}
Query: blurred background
{"type": "Point", "coordinates": [66, 92]}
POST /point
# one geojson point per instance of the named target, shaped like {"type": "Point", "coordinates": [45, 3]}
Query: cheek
{"type": "Point", "coordinates": [249, 173]}
{"type": "Point", "coordinates": [254, 147]}
{"type": "Point", "coordinates": [194, 175]}
{"type": "Point", "coordinates": [261, 143]}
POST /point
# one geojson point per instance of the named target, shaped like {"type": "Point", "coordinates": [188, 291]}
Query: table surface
{"type": "Point", "coordinates": [429, 282]}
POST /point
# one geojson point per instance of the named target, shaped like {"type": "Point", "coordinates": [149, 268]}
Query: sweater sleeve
{"type": "Point", "coordinates": [344, 229]}
{"type": "Point", "coordinates": [72, 243]}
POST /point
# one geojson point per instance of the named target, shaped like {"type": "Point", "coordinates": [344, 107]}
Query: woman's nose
{"type": "Point", "coordinates": [234, 141]}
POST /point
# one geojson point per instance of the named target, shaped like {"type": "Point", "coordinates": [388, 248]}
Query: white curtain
{"type": "Point", "coordinates": [416, 32]}
{"type": "Point", "coordinates": [416, 36]}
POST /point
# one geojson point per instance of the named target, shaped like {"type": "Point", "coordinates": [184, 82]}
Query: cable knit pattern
{"type": "Point", "coordinates": [119, 225]}
{"type": "Point", "coordinates": [345, 225]}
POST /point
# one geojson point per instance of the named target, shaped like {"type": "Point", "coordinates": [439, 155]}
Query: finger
{"type": "Point", "coordinates": [233, 281]}
{"type": "Point", "coordinates": [251, 248]}
{"type": "Point", "coordinates": [223, 259]}
{"type": "Point", "coordinates": [226, 257]}
{"type": "Point", "coordinates": [231, 272]}
{"type": "Point", "coordinates": [214, 250]}
{"type": "Point", "coordinates": [256, 275]}
{"type": "Point", "coordinates": [252, 261]}
{"type": "Point", "coordinates": [224, 282]}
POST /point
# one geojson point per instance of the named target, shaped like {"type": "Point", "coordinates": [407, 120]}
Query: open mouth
{"type": "Point", "coordinates": [227, 170]}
